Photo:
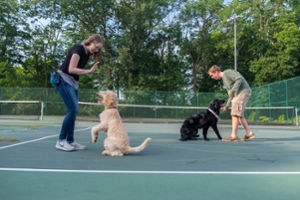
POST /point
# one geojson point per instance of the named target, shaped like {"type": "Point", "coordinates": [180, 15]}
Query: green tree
{"type": "Point", "coordinates": [12, 39]}
{"type": "Point", "coordinates": [150, 45]}
{"type": "Point", "coordinates": [45, 48]}
{"type": "Point", "coordinates": [145, 45]}
{"type": "Point", "coordinates": [198, 21]}
{"type": "Point", "coordinates": [280, 60]}
{"type": "Point", "coordinates": [8, 76]}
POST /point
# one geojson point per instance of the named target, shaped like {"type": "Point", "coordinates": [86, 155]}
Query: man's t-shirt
{"type": "Point", "coordinates": [235, 83]}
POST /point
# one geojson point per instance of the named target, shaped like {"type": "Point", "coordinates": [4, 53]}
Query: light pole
{"type": "Point", "coordinates": [234, 18]}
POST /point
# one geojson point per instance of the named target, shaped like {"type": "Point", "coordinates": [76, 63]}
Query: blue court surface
{"type": "Point", "coordinates": [267, 167]}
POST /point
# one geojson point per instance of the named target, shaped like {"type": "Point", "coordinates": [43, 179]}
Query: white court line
{"type": "Point", "coordinates": [35, 140]}
{"type": "Point", "coordinates": [144, 172]}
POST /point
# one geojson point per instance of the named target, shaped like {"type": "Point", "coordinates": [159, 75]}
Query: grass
{"type": "Point", "coordinates": [32, 127]}
{"type": "Point", "coordinates": [5, 139]}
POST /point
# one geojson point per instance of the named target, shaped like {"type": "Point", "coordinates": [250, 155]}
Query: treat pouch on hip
{"type": "Point", "coordinates": [54, 77]}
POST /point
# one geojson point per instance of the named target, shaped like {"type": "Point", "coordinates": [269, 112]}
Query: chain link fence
{"type": "Point", "coordinates": [274, 102]}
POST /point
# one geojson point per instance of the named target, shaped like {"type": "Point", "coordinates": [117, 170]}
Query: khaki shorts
{"type": "Point", "coordinates": [238, 104]}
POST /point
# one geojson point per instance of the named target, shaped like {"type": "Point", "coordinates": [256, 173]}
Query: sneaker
{"type": "Point", "coordinates": [230, 139]}
{"type": "Point", "coordinates": [77, 146]}
{"type": "Point", "coordinates": [64, 145]}
{"type": "Point", "coordinates": [248, 137]}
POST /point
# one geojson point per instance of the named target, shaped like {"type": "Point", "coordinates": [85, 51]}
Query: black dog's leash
{"type": "Point", "coordinates": [214, 113]}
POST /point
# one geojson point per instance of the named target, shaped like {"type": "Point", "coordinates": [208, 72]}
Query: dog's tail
{"type": "Point", "coordinates": [138, 148]}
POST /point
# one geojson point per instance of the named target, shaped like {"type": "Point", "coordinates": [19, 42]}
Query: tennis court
{"type": "Point", "coordinates": [264, 168]}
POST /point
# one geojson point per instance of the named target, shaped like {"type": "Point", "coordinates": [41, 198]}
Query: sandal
{"type": "Point", "coordinates": [248, 137]}
{"type": "Point", "coordinates": [230, 139]}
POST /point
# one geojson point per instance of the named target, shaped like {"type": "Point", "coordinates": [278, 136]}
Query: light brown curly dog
{"type": "Point", "coordinates": [117, 141]}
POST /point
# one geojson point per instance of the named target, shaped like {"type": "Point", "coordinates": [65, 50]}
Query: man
{"type": "Point", "coordinates": [239, 93]}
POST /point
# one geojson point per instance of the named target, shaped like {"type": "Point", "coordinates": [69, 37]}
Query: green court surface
{"type": "Point", "coordinates": [265, 168]}
{"type": "Point", "coordinates": [79, 185]}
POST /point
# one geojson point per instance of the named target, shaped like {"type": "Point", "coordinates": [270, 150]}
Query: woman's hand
{"type": "Point", "coordinates": [95, 66]}
{"type": "Point", "coordinates": [73, 66]}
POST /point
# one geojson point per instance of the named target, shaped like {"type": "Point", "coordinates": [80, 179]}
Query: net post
{"type": "Point", "coordinates": [42, 111]}
{"type": "Point", "coordinates": [296, 113]}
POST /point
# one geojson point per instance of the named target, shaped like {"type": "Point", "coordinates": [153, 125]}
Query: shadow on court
{"type": "Point", "coordinates": [265, 168]}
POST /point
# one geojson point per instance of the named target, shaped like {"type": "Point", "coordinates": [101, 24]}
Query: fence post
{"type": "Point", "coordinates": [155, 95]}
{"type": "Point", "coordinates": [269, 96]}
{"type": "Point", "coordinates": [296, 112]}
{"type": "Point", "coordinates": [1, 99]}
{"type": "Point", "coordinates": [286, 98]}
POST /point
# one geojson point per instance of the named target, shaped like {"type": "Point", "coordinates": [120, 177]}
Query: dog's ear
{"type": "Point", "coordinates": [191, 120]}
{"type": "Point", "coordinates": [212, 104]}
{"type": "Point", "coordinates": [216, 104]}
{"type": "Point", "coordinates": [107, 99]}
{"type": "Point", "coordinates": [202, 115]}
{"type": "Point", "coordinates": [112, 99]}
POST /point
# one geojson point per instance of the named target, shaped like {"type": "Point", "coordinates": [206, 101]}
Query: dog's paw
{"type": "Point", "coordinates": [206, 139]}
{"type": "Point", "coordinates": [105, 153]}
{"type": "Point", "coordinates": [94, 140]}
{"type": "Point", "coordinates": [220, 138]}
{"type": "Point", "coordinates": [182, 139]}
{"type": "Point", "coordinates": [94, 135]}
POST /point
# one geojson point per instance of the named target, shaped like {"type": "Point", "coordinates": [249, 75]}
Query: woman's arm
{"type": "Point", "coordinates": [74, 63]}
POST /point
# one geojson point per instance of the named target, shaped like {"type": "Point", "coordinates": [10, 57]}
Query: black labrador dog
{"type": "Point", "coordinates": [205, 119]}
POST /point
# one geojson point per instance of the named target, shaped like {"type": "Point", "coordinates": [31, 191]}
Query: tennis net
{"type": "Point", "coordinates": [13, 109]}
{"type": "Point", "coordinates": [132, 112]}
{"type": "Point", "coordinates": [283, 115]}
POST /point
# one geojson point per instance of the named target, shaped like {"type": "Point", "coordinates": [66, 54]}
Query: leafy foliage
{"type": "Point", "coordinates": [151, 45]}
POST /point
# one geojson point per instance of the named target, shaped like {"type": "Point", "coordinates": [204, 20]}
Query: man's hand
{"type": "Point", "coordinates": [230, 94]}
{"type": "Point", "coordinates": [223, 109]}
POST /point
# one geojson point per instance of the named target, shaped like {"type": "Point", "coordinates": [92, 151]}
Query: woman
{"type": "Point", "coordinates": [239, 93]}
{"type": "Point", "coordinates": [69, 71]}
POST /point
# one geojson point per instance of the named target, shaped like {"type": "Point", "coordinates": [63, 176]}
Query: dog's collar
{"type": "Point", "coordinates": [213, 113]}
{"type": "Point", "coordinates": [113, 107]}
